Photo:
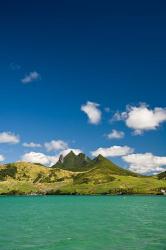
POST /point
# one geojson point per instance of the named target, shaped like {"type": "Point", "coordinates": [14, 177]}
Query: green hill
{"type": "Point", "coordinates": [26, 178]}
{"type": "Point", "coordinates": [73, 162]}
{"type": "Point", "coordinates": [103, 164]}
{"type": "Point", "coordinates": [97, 176]}
{"type": "Point", "coordinates": [162, 176]}
{"type": "Point", "coordinates": [24, 171]}
{"type": "Point", "coordinates": [82, 163]}
{"type": "Point", "coordinates": [101, 170]}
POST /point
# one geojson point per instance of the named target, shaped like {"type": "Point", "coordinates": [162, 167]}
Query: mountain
{"type": "Point", "coordinates": [102, 170]}
{"type": "Point", "coordinates": [77, 175]}
{"type": "Point", "coordinates": [162, 176]}
{"type": "Point", "coordinates": [81, 163]}
{"type": "Point", "coordinates": [103, 164]}
{"type": "Point", "coordinates": [72, 162]}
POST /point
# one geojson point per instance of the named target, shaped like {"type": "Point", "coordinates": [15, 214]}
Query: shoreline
{"type": "Point", "coordinates": [33, 195]}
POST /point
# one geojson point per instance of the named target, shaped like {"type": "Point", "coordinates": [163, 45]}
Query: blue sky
{"type": "Point", "coordinates": [58, 55]}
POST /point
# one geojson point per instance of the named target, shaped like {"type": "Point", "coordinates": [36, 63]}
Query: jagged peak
{"type": "Point", "coordinates": [81, 154]}
{"type": "Point", "coordinates": [100, 158]}
{"type": "Point", "coordinates": [61, 158]}
{"type": "Point", "coordinates": [71, 153]}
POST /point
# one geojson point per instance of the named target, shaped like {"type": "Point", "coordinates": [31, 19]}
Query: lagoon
{"type": "Point", "coordinates": [83, 222]}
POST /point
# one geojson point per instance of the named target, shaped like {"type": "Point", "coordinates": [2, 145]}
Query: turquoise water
{"type": "Point", "coordinates": [83, 223]}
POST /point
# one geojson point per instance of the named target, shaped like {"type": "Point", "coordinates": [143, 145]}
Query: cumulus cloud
{"type": "Point", "coordinates": [47, 160]}
{"type": "Point", "coordinates": [93, 112]}
{"type": "Point", "coordinates": [2, 158]}
{"type": "Point", "coordinates": [113, 151]}
{"type": "Point", "coordinates": [32, 76]}
{"type": "Point", "coordinates": [56, 145]}
{"type": "Point", "coordinates": [115, 134]}
{"type": "Point", "coordinates": [118, 116]}
{"type": "Point", "coordinates": [146, 163]}
{"type": "Point", "coordinates": [36, 157]}
{"type": "Point", "coordinates": [31, 145]}
{"type": "Point", "coordinates": [142, 118]}
{"type": "Point", "coordinates": [9, 137]}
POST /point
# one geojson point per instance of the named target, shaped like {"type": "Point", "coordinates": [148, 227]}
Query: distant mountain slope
{"type": "Point", "coordinates": [72, 162]}
{"type": "Point", "coordinates": [103, 164]}
{"type": "Point", "coordinates": [97, 176]}
{"type": "Point", "coordinates": [81, 163]}
{"type": "Point", "coordinates": [102, 171]}
{"type": "Point", "coordinates": [162, 176]}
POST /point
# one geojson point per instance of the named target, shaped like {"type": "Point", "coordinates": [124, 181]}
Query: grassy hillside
{"type": "Point", "coordinates": [118, 185]}
{"type": "Point", "coordinates": [102, 164]}
{"type": "Point", "coordinates": [101, 177]}
{"type": "Point", "coordinates": [81, 163]}
{"type": "Point", "coordinates": [24, 171]}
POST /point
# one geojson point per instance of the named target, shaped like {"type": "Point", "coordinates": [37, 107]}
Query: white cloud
{"type": "Point", "coordinates": [92, 111]}
{"type": "Point", "coordinates": [115, 134]}
{"type": "Point", "coordinates": [8, 137]}
{"type": "Point", "coordinates": [32, 76]}
{"type": "Point", "coordinates": [47, 160]}
{"type": "Point", "coordinates": [31, 145]}
{"type": "Point", "coordinates": [118, 116]}
{"type": "Point", "coordinates": [2, 158]}
{"type": "Point", "coordinates": [146, 163]}
{"type": "Point", "coordinates": [142, 118]}
{"type": "Point", "coordinates": [113, 151]}
{"type": "Point", "coordinates": [56, 145]}
{"type": "Point", "coordinates": [36, 157]}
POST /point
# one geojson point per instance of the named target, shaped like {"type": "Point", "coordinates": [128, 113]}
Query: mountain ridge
{"type": "Point", "coordinates": [81, 162]}
{"type": "Point", "coordinates": [73, 162]}
{"type": "Point", "coordinates": [96, 176]}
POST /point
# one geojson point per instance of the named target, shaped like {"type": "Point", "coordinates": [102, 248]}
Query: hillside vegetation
{"type": "Point", "coordinates": [76, 175]}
